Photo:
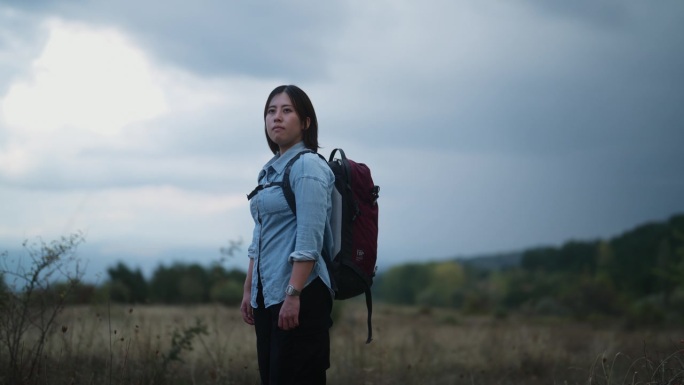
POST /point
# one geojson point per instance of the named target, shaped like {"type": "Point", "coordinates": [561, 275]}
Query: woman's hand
{"type": "Point", "coordinates": [288, 318]}
{"type": "Point", "coordinates": [246, 307]}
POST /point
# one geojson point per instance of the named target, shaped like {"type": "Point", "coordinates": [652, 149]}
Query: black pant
{"type": "Point", "coordinates": [299, 356]}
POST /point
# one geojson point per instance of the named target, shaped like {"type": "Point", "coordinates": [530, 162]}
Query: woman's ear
{"type": "Point", "coordinates": [307, 123]}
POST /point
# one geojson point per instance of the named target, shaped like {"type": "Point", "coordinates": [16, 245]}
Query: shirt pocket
{"type": "Point", "coordinates": [272, 201]}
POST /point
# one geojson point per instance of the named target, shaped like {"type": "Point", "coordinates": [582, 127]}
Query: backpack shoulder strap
{"type": "Point", "coordinates": [284, 184]}
{"type": "Point", "coordinates": [332, 154]}
{"type": "Point", "coordinates": [287, 186]}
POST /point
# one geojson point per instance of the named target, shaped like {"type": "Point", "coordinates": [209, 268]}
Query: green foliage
{"type": "Point", "coordinates": [401, 284]}
{"type": "Point", "coordinates": [645, 312]}
{"type": "Point", "coordinates": [127, 286]}
{"type": "Point", "coordinates": [181, 340]}
{"type": "Point", "coordinates": [585, 296]}
{"type": "Point", "coordinates": [182, 283]}
{"type": "Point", "coordinates": [542, 258]}
{"type": "Point", "coordinates": [638, 275]}
{"type": "Point", "coordinates": [435, 284]}
{"type": "Point", "coordinates": [164, 284]}
{"type": "Point", "coordinates": [605, 258]}
{"type": "Point", "coordinates": [524, 286]}
{"type": "Point", "coordinates": [227, 292]}
{"type": "Point", "coordinates": [178, 283]}
{"type": "Point", "coordinates": [636, 258]}
{"type": "Point", "coordinates": [573, 256]}
{"type": "Point", "coordinates": [676, 302]}
{"type": "Point", "coordinates": [446, 281]}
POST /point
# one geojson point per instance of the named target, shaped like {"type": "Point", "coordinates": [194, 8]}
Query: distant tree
{"type": "Point", "coordinates": [181, 283]}
{"type": "Point", "coordinates": [194, 284]}
{"type": "Point", "coordinates": [444, 286]}
{"type": "Point", "coordinates": [670, 265]}
{"type": "Point", "coordinates": [127, 285]}
{"type": "Point", "coordinates": [227, 292]}
{"type": "Point", "coordinates": [604, 260]}
{"type": "Point", "coordinates": [523, 287]}
{"type": "Point", "coordinates": [628, 275]}
{"type": "Point", "coordinates": [216, 274]}
{"type": "Point", "coordinates": [541, 258]}
{"type": "Point", "coordinates": [236, 275]}
{"type": "Point", "coordinates": [191, 290]}
{"type": "Point", "coordinates": [585, 296]}
{"type": "Point", "coordinates": [573, 256]}
{"type": "Point", "coordinates": [636, 259]}
{"type": "Point", "coordinates": [164, 284]}
{"type": "Point", "coordinates": [401, 284]}
{"type": "Point", "coordinates": [73, 293]}
{"type": "Point", "coordinates": [577, 257]}
{"type": "Point", "coordinates": [225, 286]}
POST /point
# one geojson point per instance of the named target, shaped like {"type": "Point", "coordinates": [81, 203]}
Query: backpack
{"type": "Point", "coordinates": [354, 225]}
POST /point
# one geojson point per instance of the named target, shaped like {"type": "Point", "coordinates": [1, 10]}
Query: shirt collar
{"type": "Point", "coordinates": [279, 161]}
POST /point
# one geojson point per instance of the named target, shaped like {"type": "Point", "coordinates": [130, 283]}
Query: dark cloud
{"type": "Point", "coordinates": [271, 40]}
{"type": "Point", "coordinates": [606, 13]}
{"type": "Point", "coordinates": [557, 96]}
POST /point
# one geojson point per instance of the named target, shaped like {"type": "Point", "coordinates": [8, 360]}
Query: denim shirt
{"type": "Point", "coordinates": [280, 237]}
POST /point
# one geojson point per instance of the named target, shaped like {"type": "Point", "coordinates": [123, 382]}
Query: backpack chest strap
{"type": "Point", "coordinates": [284, 184]}
{"type": "Point", "coordinates": [261, 187]}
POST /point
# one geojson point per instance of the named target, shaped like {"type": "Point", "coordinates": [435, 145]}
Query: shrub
{"type": "Point", "coordinates": [227, 292]}
{"type": "Point", "coordinates": [645, 312]}
{"type": "Point", "coordinates": [32, 300]}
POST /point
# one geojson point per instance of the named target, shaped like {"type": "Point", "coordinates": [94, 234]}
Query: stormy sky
{"type": "Point", "coordinates": [490, 126]}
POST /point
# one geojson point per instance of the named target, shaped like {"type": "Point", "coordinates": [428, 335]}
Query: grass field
{"type": "Point", "coordinates": [161, 344]}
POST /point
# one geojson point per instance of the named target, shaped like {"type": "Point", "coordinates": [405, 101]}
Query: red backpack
{"type": "Point", "coordinates": [354, 224]}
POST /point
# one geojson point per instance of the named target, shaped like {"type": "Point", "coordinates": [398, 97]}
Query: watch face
{"type": "Point", "coordinates": [290, 290]}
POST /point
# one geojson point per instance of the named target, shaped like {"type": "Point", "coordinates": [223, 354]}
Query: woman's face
{"type": "Point", "coordinates": [283, 125]}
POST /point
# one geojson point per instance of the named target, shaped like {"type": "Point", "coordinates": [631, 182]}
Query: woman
{"type": "Point", "coordinates": [287, 295]}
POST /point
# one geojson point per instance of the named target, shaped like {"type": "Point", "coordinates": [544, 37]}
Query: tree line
{"type": "Point", "coordinates": [177, 283]}
{"type": "Point", "coordinates": [638, 275]}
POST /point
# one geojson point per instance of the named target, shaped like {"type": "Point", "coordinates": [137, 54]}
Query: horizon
{"type": "Point", "coordinates": [240, 262]}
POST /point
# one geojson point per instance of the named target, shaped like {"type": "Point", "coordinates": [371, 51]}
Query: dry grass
{"type": "Point", "coordinates": [411, 346]}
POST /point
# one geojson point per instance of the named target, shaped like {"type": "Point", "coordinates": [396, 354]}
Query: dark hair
{"type": "Point", "coordinates": [304, 108]}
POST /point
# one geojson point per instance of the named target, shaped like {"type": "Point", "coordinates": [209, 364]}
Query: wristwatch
{"type": "Point", "coordinates": [290, 290]}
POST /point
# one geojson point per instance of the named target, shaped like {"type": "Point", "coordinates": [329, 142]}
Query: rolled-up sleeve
{"type": "Point", "coordinates": [312, 183]}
